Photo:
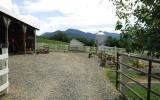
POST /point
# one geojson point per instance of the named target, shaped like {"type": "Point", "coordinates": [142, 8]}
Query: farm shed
{"type": "Point", "coordinates": [76, 45]}
{"type": "Point", "coordinates": [16, 34]}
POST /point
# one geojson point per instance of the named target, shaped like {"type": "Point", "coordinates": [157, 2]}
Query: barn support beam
{"type": "Point", "coordinates": [34, 40]}
{"type": "Point", "coordinates": [7, 22]}
{"type": "Point", "coordinates": [24, 27]}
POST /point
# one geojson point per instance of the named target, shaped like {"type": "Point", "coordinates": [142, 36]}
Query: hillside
{"type": "Point", "coordinates": [77, 33]}
{"type": "Point", "coordinates": [73, 33]}
{"type": "Point", "coordinates": [43, 40]}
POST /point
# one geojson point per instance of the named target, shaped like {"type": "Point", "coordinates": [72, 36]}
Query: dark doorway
{"type": "Point", "coordinates": [2, 32]}
{"type": "Point", "coordinates": [15, 37]}
{"type": "Point", "coordinates": [30, 40]}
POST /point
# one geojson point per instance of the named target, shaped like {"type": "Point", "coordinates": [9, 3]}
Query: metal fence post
{"type": "Point", "coordinates": [149, 80]}
{"type": "Point", "coordinates": [117, 73]}
{"type": "Point", "coordinates": [123, 69]}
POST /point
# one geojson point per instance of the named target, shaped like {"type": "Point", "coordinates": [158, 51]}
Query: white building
{"type": "Point", "coordinates": [100, 38]}
{"type": "Point", "coordinates": [76, 45]}
{"type": "Point", "coordinates": [100, 41]}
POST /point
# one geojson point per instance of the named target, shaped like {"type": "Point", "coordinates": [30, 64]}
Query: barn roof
{"type": "Point", "coordinates": [75, 40]}
{"type": "Point", "coordinates": [13, 15]}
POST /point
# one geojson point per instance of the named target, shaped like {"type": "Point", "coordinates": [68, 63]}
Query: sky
{"type": "Point", "coordinates": [51, 15]}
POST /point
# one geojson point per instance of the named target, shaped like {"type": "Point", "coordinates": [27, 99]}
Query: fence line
{"type": "Point", "coordinates": [4, 84]}
{"type": "Point", "coordinates": [53, 47]}
{"type": "Point", "coordinates": [65, 48]}
{"type": "Point", "coordinates": [122, 77]}
{"type": "Point", "coordinates": [62, 47]}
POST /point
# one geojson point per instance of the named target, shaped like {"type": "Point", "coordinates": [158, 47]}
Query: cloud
{"type": "Point", "coordinates": [15, 9]}
{"type": "Point", "coordinates": [87, 15]}
{"type": "Point", "coordinates": [6, 4]}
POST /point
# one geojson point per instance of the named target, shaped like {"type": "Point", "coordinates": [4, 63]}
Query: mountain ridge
{"type": "Point", "coordinates": [74, 33]}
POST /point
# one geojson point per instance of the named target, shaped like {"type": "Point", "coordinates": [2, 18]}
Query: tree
{"type": "Point", "coordinates": [60, 36]}
{"type": "Point", "coordinates": [110, 41]}
{"type": "Point", "coordinates": [143, 34]}
{"type": "Point", "coordinates": [91, 42]}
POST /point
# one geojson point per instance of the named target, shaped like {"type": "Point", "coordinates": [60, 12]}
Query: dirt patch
{"type": "Point", "coordinates": [57, 76]}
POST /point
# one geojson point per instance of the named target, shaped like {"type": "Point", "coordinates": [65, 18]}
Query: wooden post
{"type": "Point", "coordinates": [24, 27]}
{"type": "Point", "coordinates": [34, 40]}
{"type": "Point", "coordinates": [7, 22]}
{"type": "Point", "coordinates": [55, 47]}
{"type": "Point", "coordinates": [123, 69]}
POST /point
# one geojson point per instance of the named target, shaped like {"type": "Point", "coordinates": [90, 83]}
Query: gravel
{"type": "Point", "coordinates": [58, 76]}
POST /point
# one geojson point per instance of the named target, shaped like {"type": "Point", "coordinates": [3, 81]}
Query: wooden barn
{"type": "Point", "coordinates": [15, 34]}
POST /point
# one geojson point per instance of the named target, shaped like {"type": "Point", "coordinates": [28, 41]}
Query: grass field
{"type": "Point", "coordinates": [47, 41]}
{"type": "Point", "coordinates": [140, 90]}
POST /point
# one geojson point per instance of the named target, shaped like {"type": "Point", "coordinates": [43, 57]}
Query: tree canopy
{"type": "Point", "coordinates": [60, 36]}
{"type": "Point", "coordinates": [110, 41]}
{"type": "Point", "coordinates": [86, 41]}
{"type": "Point", "coordinates": [142, 33]}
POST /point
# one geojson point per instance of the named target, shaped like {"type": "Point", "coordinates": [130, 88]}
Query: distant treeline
{"type": "Point", "coordinates": [62, 36]}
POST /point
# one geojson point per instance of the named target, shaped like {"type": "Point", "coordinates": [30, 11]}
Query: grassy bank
{"type": "Point", "coordinates": [48, 41]}
{"type": "Point", "coordinates": [111, 75]}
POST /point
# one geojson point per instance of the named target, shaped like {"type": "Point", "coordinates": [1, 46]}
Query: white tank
{"type": "Point", "coordinates": [7, 4]}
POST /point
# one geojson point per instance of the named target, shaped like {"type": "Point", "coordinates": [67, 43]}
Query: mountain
{"type": "Point", "coordinates": [114, 35]}
{"type": "Point", "coordinates": [73, 33]}
{"type": "Point", "coordinates": [77, 33]}
{"type": "Point", "coordinates": [47, 34]}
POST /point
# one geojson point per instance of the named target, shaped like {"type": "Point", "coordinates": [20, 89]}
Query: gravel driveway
{"type": "Point", "coordinates": [58, 76]}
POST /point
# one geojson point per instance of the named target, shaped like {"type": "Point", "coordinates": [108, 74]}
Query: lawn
{"type": "Point", "coordinates": [111, 75]}
{"type": "Point", "coordinates": [140, 90]}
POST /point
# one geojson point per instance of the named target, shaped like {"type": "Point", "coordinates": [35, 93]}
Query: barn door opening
{"type": "Point", "coordinates": [15, 38]}
{"type": "Point", "coordinates": [30, 40]}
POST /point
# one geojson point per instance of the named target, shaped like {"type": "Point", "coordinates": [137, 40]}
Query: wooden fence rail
{"type": "Point", "coordinates": [4, 84]}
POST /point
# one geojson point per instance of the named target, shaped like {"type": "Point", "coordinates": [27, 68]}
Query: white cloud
{"type": "Point", "coordinates": [6, 4]}
{"type": "Point", "coordinates": [80, 14]}
{"type": "Point", "coordinates": [15, 9]}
